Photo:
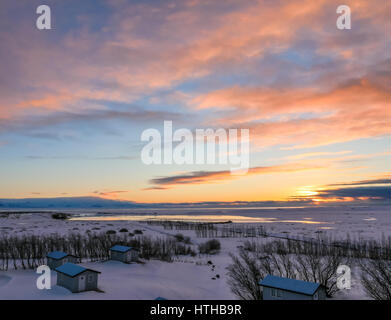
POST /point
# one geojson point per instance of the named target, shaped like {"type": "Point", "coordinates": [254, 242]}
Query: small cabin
{"type": "Point", "coordinates": [278, 288]}
{"type": "Point", "coordinates": [124, 254]}
{"type": "Point", "coordinates": [58, 258]}
{"type": "Point", "coordinates": [77, 278]}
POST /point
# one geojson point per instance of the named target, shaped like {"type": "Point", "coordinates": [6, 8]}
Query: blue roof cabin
{"type": "Point", "coordinates": [278, 288]}
{"type": "Point", "coordinates": [161, 298]}
{"type": "Point", "coordinates": [123, 253]}
{"type": "Point", "coordinates": [58, 258]}
{"type": "Point", "coordinates": [77, 278]}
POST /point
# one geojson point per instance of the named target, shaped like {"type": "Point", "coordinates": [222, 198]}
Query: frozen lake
{"type": "Point", "coordinates": [194, 218]}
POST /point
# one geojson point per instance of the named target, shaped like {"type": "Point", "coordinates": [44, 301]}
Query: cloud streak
{"type": "Point", "coordinates": [110, 194]}
{"type": "Point", "coordinates": [201, 177]}
{"type": "Point", "coordinates": [357, 193]}
{"type": "Point", "coordinates": [385, 180]}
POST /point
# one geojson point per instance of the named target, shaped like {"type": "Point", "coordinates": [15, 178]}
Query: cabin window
{"type": "Point", "coordinates": [276, 293]}
{"type": "Point", "coordinates": [90, 278]}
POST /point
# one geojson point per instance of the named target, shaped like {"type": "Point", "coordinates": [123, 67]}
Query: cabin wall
{"type": "Point", "coordinates": [72, 284]}
{"type": "Point", "coordinates": [92, 280]}
{"type": "Point", "coordinates": [322, 293]}
{"type": "Point", "coordinates": [119, 256]}
{"type": "Point", "coordinates": [283, 295]}
{"type": "Point", "coordinates": [134, 255]}
{"type": "Point", "coordinates": [71, 259]}
{"type": "Point", "coordinates": [126, 257]}
{"type": "Point", "coordinates": [53, 263]}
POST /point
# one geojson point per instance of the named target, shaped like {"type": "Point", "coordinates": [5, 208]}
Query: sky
{"type": "Point", "coordinates": [75, 99]}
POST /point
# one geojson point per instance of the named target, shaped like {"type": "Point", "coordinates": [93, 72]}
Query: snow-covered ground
{"type": "Point", "coordinates": [186, 277]}
{"type": "Point", "coordinates": [177, 280]}
{"type": "Point", "coordinates": [365, 222]}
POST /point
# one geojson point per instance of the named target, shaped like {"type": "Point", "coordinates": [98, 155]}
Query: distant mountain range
{"type": "Point", "coordinates": [102, 203]}
{"type": "Point", "coordinates": [97, 202]}
{"type": "Point", "coordinates": [66, 202]}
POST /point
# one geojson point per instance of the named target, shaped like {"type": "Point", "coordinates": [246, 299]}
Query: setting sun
{"type": "Point", "coordinates": [307, 191]}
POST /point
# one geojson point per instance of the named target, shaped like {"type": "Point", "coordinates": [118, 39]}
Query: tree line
{"type": "Point", "coordinates": [29, 251]}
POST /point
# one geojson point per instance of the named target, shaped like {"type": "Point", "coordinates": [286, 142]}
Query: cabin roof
{"type": "Point", "coordinates": [72, 270]}
{"type": "Point", "coordinates": [299, 286]}
{"type": "Point", "coordinates": [57, 255]}
{"type": "Point", "coordinates": [119, 248]}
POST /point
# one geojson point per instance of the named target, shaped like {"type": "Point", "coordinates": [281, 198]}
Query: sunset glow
{"type": "Point", "coordinates": [316, 100]}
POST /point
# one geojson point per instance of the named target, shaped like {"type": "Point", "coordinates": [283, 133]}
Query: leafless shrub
{"type": "Point", "coordinates": [60, 216]}
{"type": "Point", "coordinates": [210, 247]}
{"type": "Point", "coordinates": [181, 238]}
{"type": "Point", "coordinates": [376, 278]}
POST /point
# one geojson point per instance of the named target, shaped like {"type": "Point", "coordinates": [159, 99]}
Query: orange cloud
{"type": "Point", "coordinates": [201, 177]}
{"type": "Point", "coordinates": [112, 194]}
{"type": "Point", "coordinates": [158, 47]}
{"type": "Point", "coordinates": [182, 41]}
{"type": "Point", "coordinates": [353, 111]}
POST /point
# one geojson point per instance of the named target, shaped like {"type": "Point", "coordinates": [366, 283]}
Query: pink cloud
{"type": "Point", "coordinates": [143, 49]}
{"type": "Point", "coordinates": [353, 111]}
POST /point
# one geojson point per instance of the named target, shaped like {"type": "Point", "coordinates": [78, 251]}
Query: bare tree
{"type": "Point", "coordinates": [244, 275]}
{"type": "Point", "coordinates": [320, 269]}
{"type": "Point", "coordinates": [254, 263]}
{"type": "Point", "coordinates": [376, 278]}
